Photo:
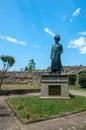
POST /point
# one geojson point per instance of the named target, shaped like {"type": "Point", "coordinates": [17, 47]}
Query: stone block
{"type": "Point", "coordinates": [54, 86]}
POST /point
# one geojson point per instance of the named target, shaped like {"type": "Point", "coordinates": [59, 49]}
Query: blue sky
{"type": "Point", "coordinates": [27, 28]}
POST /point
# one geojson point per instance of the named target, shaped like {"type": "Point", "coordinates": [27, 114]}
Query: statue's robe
{"type": "Point", "coordinates": [56, 51]}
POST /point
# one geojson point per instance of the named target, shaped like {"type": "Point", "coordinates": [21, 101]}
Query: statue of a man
{"type": "Point", "coordinates": [56, 51]}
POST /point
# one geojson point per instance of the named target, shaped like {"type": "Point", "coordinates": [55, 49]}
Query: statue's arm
{"type": "Point", "coordinates": [51, 52]}
{"type": "Point", "coordinates": [61, 50]}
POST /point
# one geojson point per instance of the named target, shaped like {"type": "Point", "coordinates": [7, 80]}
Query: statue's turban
{"type": "Point", "coordinates": [57, 37]}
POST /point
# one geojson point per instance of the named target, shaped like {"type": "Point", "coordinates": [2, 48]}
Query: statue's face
{"type": "Point", "coordinates": [56, 39]}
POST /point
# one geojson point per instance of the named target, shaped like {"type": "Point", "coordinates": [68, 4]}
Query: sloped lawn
{"type": "Point", "coordinates": [33, 108]}
{"type": "Point", "coordinates": [77, 88]}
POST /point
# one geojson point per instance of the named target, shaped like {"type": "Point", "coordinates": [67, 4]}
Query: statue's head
{"type": "Point", "coordinates": [57, 37]}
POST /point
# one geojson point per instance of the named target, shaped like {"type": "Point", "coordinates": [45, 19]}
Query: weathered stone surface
{"type": "Point", "coordinates": [72, 69]}
{"type": "Point", "coordinates": [54, 85]}
{"type": "Point", "coordinates": [16, 77]}
{"type": "Point", "coordinates": [22, 77]}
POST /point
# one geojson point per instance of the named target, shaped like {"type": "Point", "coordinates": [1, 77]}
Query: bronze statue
{"type": "Point", "coordinates": [56, 51]}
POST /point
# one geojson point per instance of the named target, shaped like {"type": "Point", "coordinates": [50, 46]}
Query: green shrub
{"type": "Point", "coordinates": [72, 79]}
{"type": "Point", "coordinates": [82, 79]}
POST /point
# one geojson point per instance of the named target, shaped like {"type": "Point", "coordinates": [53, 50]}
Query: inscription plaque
{"type": "Point", "coordinates": [54, 90]}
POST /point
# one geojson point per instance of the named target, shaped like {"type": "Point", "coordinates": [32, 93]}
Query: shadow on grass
{"type": "Point", "coordinates": [71, 96]}
{"type": "Point", "coordinates": [18, 91]}
{"type": "Point", "coordinates": [83, 88]}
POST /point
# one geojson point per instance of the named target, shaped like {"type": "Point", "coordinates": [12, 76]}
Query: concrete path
{"type": "Point", "coordinates": [78, 93]}
{"type": "Point", "coordinates": [8, 121]}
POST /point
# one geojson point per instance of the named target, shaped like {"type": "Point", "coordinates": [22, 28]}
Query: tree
{"type": "Point", "coordinates": [72, 79]}
{"type": "Point", "coordinates": [8, 62]}
{"type": "Point", "coordinates": [31, 65]}
{"type": "Point", "coordinates": [82, 79]}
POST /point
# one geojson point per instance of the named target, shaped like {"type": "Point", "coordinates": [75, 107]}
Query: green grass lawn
{"type": "Point", "coordinates": [77, 87]}
{"type": "Point", "coordinates": [19, 86]}
{"type": "Point", "coordinates": [33, 108]}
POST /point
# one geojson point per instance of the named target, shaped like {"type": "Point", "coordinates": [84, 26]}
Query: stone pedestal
{"type": "Point", "coordinates": [54, 86]}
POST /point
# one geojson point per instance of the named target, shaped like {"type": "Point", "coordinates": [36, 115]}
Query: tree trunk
{"type": "Point", "coordinates": [2, 78]}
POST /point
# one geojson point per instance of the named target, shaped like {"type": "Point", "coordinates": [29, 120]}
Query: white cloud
{"type": "Point", "coordinates": [71, 20]}
{"type": "Point", "coordinates": [37, 46]}
{"type": "Point", "coordinates": [49, 31]}
{"type": "Point", "coordinates": [76, 12]}
{"type": "Point", "coordinates": [79, 43]}
{"type": "Point", "coordinates": [82, 33]}
{"type": "Point", "coordinates": [64, 18]}
{"type": "Point", "coordinates": [10, 39]}
{"type": "Point", "coordinates": [83, 50]}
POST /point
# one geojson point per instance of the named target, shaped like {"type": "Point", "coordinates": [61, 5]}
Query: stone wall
{"type": "Point", "coordinates": [22, 77]}
{"type": "Point", "coordinates": [72, 69]}
{"type": "Point", "coordinates": [35, 77]}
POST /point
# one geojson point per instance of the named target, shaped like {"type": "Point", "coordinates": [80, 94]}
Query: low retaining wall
{"type": "Point", "coordinates": [23, 77]}
{"type": "Point", "coordinates": [26, 77]}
